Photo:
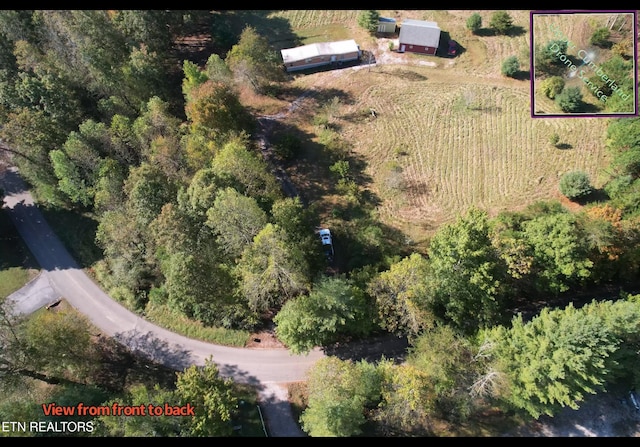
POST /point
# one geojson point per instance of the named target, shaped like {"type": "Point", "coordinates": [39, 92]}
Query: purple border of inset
{"type": "Point", "coordinates": [635, 64]}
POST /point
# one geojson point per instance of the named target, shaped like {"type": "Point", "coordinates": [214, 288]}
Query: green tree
{"type": "Point", "coordinates": [252, 59]}
{"type": "Point", "coordinates": [297, 220]}
{"type": "Point", "coordinates": [510, 66]}
{"type": "Point", "coordinates": [448, 364]}
{"type": "Point", "coordinates": [156, 132]}
{"type": "Point", "coordinates": [623, 143]}
{"type": "Point", "coordinates": [570, 99]}
{"type": "Point", "coordinates": [368, 19]}
{"type": "Point", "coordinates": [217, 70]}
{"type": "Point", "coordinates": [600, 38]}
{"type": "Point", "coordinates": [339, 394]}
{"type": "Point", "coordinates": [147, 425]}
{"type": "Point", "coordinates": [333, 309]}
{"type": "Point", "coordinates": [246, 171]}
{"type": "Point", "coordinates": [212, 398]}
{"type": "Point", "coordinates": [552, 86]}
{"type": "Point", "coordinates": [194, 77]}
{"type": "Point", "coordinates": [560, 356]}
{"type": "Point", "coordinates": [466, 274]}
{"type": "Point", "coordinates": [474, 22]}
{"type": "Point", "coordinates": [31, 135]}
{"type": "Point", "coordinates": [299, 223]}
{"type": "Point", "coordinates": [53, 348]}
{"type": "Point", "coordinates": [407, 400]}
{"type": "Point", "coordinates": [401, 296]}
{"type": "Point", "coordinates": [197, 281]}
{"type": "Point", "coordinates": [546, 61]}
{"type": "Point", "coordinates": [560, 251]}
{"type": "Point", "coordinates": [214, 112]}
{"type": "Point", "coordinates": [147, 190]}
{"type": "Point", "coordinates": [201, 288]}
{"type": "Point", "coordinates": [575, 185]}
{"type": "Point", "coordinates": [201, 193]}
{"type": "Point", "coordinates": [501, 22]}
{"type": "Point", "coordinates": [620, 69]}
{"type": "Point", "coordinates": [236, 219]}
{"type": "Point", "coordinates": [128, 260]}
{"type": "Point", "coordinates": [78, 163]}
{"type": "Point", "coordinates": [272, 271]}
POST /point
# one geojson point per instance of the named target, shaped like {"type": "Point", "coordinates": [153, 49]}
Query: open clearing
{"type": "Point", "coordinates": [452, 133]}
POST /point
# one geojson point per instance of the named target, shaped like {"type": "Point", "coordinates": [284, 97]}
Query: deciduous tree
{"type": "Point", "coordinates": [340, 391]}
{"type": "Point", "coordinates": [212, 398]}
{"type": "Point", "coordinates": [235, 219]}
{"type": "Point", "coordinates": [560, 251]}
{"type": "Point", "coordinates": [272, 271]}
{"type": "Point", "coordinates": [252, 59]}
{"type": "Point", "coordinates": [333, 308]}
{"type": "Point", "coordinates": [466, 274]}
{"type": "Point", "coordinates": [401, 296]}
{"type": "Point", "coordinates": [501, 22]}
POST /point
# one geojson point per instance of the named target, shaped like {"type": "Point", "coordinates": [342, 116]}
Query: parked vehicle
{"type": "Point", "coordinates": [327, 243]}
{"type": "Point", "coordinates": [453, 48]}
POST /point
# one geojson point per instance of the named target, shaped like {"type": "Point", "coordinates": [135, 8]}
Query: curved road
{"type": "Point", "coordinates": [268, 369]}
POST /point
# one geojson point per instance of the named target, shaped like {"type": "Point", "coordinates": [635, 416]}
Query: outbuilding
{"type": "Point", "coordinates": [419, 36]}
{"type": "Point", "coordinates": [318, 54]}
{"type": "Point", "coordinates": [386, 25]}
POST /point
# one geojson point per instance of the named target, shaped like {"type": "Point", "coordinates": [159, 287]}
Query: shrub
{"type": "Point", "coordinates": [501, 22]}
{"type": "Point", "coordinates": [368, 19]}
{"type": "Point", "coordinates": [474, 22]}
{"type": "Point", "coordinates": [575, 185]}
{"type": "Point", "coordinates": [551, 87]}
{"type": "Point", "coordinates": [570, 99]}
{"type": "Point", "coordinates": [554, 139]}
{"type": "Point", "coordinates": [510, 66]}
{"type": "Point", "coordinates": [600, 38]}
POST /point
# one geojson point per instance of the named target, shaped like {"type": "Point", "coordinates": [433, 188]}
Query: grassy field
{"type": "Point", "coordinates": [454, 135]}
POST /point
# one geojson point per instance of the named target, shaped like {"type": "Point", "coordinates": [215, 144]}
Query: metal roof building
{"type": "Point", "coordinates": [419, 36]}
{"type": "Point", "coordinates": [313, 50]}
{"type": "Point", "coordinates": [321, 53]}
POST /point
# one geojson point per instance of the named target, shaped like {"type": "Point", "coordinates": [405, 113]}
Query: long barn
{"type": "Point", "coordinates": [318, 54]}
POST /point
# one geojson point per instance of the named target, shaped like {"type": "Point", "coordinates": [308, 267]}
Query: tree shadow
{"type": "Point", "coordinates": [515, 31]}
{"type": "Point", "coordinates": [522, 75]}
{"type": "Point", "coordinates": [485, 32]}
{"type": "Point", "coordinates": [78, 233]}
{"type": "Point", "coordinates": [596, 196]}
{"type": "Point", "coordinates": [372, 349]}
{"type": "Point", "coordinates": [512, 31]}
{"type": "Point", "coordinates": [563, 146]}
{"type": "Point", "coordinates": [13, 251]}
{"type": "Point", "coordinates": [119, 367]}
{"type": "Point", "coordinates": [154, 349]}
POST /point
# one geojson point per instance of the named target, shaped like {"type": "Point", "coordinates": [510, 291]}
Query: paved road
{"type": "Point", "coordinates": [267, 369]}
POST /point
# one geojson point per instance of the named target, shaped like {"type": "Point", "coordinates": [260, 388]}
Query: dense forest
{"type": "Point", "coordinates": [103, 112]}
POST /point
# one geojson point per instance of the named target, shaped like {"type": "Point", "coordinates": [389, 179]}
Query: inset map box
{"type": "Point", "coordinates": [584, 63]}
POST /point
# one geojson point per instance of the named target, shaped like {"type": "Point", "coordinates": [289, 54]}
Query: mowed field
{"type": "Point", "coordinates": [457, 133]}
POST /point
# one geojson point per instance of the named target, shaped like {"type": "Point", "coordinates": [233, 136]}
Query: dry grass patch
{"type": "Point", "coordinates": [441, 144]}
{"type": "Point", "coordinates": [445, 137]}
